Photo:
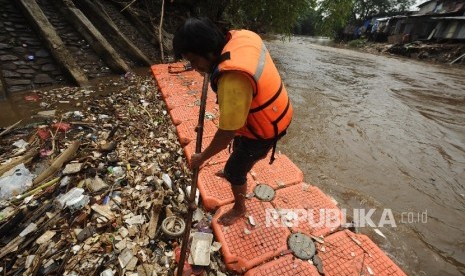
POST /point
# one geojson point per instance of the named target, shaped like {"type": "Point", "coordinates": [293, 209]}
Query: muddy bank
{"type": "Point", "coordinates": [383, 133]}
{"type": "Point", "coordinates": [440, 53]}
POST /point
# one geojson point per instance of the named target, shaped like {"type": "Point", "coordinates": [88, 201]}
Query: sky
{"type": "Point", "coordinates": [418, 2]}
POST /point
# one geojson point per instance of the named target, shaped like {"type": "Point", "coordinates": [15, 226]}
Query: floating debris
{"type": "Point", "coordinates": [72, 168]}
{"type": "Point", "coordinates": [200, 248]}
{"type": "Point", "coordinates": [106, 176]}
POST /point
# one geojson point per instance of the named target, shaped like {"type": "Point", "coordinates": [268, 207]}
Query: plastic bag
{"type": "Point", "coordinates": [15, 181]}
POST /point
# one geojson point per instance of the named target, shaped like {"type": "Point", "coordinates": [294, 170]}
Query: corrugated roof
{"type": "Point", "coordinates": [425, 3]}
{"type": "Point", "coordinates": [449, 18]}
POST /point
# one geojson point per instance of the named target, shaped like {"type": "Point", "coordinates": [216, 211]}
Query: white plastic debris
{"type": "Point", "coordinates": [252, 221]}
{"type": "Point", "coordinates": [200, 248]}
{"type": "Point", "coordinates": [215, 246]}
{"type": "Point", "coordinates": [377, 231]}
{"type": "Point", "coordinates": [197, 194]}
{"type": "Point", "coordinates": [76, 249]}
{"type": "Point", "coordinates": [77, 203]}
{"type": "Point", "coordinates": [118, 172]}
{"type": "Point", "coordinates": [70, 195]}
{"type": "Point", "coordinates": [107, 272]}
{"type": "Point", "coordinates": [370, 270]}
{"type": "Point", "coordinates": [15, 181]}
{"type": "Point", "coordinates": [30, 228]}
{"type": "Point", "coordinates": [167, 180]}
{"type": "Point", "coordinates": [21, 144]}
{"type": "Point", "coordinates": [65, 181]}
{"type": "Point", "coordinates": [181, 196]}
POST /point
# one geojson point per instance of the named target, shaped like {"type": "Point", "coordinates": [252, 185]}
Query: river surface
{"type": "Point", "coordinates": [383, 133]}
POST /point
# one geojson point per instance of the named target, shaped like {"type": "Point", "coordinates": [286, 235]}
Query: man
{"type": "Point", "coordinates": [254, 106]}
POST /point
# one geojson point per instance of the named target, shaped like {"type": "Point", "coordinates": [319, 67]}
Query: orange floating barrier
{"type": "Point", "coordinates": [261, 247]}
{"type": "Point", "coordinates": [283, 172]}
{"type": "Point", "coordinates": [347, 253]}
{"type": "Point", "coordinates": [287, 265]}
{"type": "Point", "coordinates": [215, 190]}
{"type": "Point", "coordinates": [184, 113]}
{"type": "Point", "coordinates": [219, 158]}
{"type": "Point", "coordinates": [305, 208]}
{"type": "Point", "coordinates": [245, 246]}
{"type": "Point", "coordinates": [186, 131]}
{"type": "Point", "coordinates": [180, 100]}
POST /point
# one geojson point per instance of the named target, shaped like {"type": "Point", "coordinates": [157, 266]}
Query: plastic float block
{"type": "Point", "coordinates": [346, 253]}
{"type": "Point", "coordinates": [283, 172]}
{"type": "Point", "coordinates": [287, 265]}
{"type": "Point", "coordinates": [184, 113]}
{"type": "Point", "coordinates": [180, 100]}
{"type": "Point", "coordinates": [221, 157]}
{"type": "Point", "coordinates": [173, 89]}
{"type": "Point", "coordinates": [186, 131]}
{"type": "Point", "coordinates": [305, 208]}
{"type": "Point", "coordinates": [245, 246]}
{"type": "Point", "coordinates": [216, 190]}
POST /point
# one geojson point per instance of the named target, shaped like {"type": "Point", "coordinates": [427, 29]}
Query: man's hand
{"type": "Point", "coordinates": [220, 141]}
{"type": "Point", "coordinates": [196, 160]}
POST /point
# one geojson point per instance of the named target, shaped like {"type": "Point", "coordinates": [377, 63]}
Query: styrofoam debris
{"type": "Point", "coordinates": [29, 229]}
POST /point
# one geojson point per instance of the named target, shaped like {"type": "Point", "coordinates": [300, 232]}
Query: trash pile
{"type": "Point", "coordinates": [98, 187]}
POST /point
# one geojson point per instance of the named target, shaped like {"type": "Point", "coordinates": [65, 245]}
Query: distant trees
{"type": "Point", "coordinates": [260, 15]}
{"type": "Point", "coordinates": [311, 17]}
{"type": "Point", "coordinates": [365, 8]}
{"type": "Point", "coordinates": [265, 15]}
{"type": "Point", "coordinates": [330, 16]}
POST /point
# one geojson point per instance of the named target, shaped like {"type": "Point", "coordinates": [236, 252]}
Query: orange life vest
{"type": "Point", "coordinates": [270, 111]}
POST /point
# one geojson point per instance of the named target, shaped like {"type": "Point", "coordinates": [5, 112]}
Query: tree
{"type": "Point", "coordinates": [261, 15]}
{"type": "Point", "coordinates": [308, 23]}
{"type": "Point", "coordinates": [366, 8]}
{"type": "Point", "coordinates": [335, 15]}
{"type": "Point", "coordinates": [331, 16]}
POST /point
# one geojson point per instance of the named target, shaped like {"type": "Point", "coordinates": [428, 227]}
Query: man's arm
{"type": "Point", "coordinates": [220, 141]}
{"type": "Point", "coordinates": [234, 98]}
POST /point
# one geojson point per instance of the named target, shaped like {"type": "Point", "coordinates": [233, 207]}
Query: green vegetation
{"type": "Point", "coordinates": [357, 43]}
{"type": "Point", "coordinates": [310, 17]}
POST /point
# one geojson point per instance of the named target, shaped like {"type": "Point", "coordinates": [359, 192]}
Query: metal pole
{"type": "Point", "coordinates": [195, 175]}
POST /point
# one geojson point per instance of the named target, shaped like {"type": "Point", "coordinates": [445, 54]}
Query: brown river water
{"type": "Point", "coordinates": [383, 133]}
{"type": "Point", "coordinates": [374, 132]}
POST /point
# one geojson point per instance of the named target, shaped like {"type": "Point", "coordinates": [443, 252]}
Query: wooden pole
{"type": "Point", "coordinates": [195, 176]}
{"type": "Point", "coordinates": [53, 41]}
{"type": "Point", "coordinates": [96, 11]}
{"type": "Point", "coordinates": [93, 37]}
{"type": "Point", "coordinates": [160, 31]}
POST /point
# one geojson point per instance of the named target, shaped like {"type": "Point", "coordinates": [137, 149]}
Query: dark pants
{"type": "Point", "coordinates": [246, 152]}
